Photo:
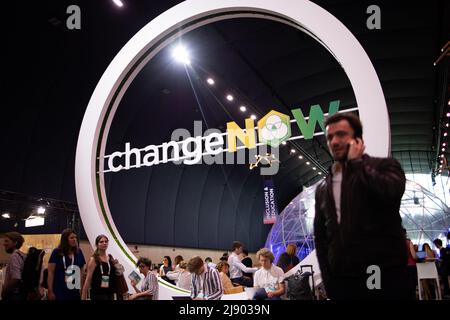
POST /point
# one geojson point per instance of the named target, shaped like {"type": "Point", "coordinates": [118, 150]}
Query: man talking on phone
{"type": "Point", "coordinates": [359, 240]}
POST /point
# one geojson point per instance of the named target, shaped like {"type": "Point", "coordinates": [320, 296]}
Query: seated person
{"type": "Point", "coordinates": [269, 276]}
{"type": "Point", "coordinates": [181, 276]}
{"type": "Point", "coordinates": [206, 283]}
{"type": "Point", "coordinates": [228, 286]}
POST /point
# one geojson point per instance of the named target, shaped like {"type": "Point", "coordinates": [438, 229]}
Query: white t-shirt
{"type": "Point", "coordinates": [268, 279]}
{"type": "Point", "coordinates": [237, 267]}
{"type": "Point", "coordinates": [337, 183]}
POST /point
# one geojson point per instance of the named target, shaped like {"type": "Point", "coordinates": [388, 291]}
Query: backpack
{"type": "Point", "coordinates": [298, 287]}
{"type": "Point", "coordinates": [31, 273]}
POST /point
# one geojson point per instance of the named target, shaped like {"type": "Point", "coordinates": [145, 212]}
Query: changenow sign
{"type": "Point", "coordinates": [273, 129]}
{"type": "Point", "coordinates": [157, 34]}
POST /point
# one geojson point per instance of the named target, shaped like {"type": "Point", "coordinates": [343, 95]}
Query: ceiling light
{"type": "Point", "coordinates": [443, 149]}
{"type": "Point", "coordinates": [180, 54]}
{"type": "Point", "coordinates": [446, 124]}
{"type": "Point", "coordinates": [283, 143]}
{"type": "Point", "coordinates": [34, 221]}
{"type": "Point", "coordinates": [253, 117]}
{"type": "Point", "coordinates": [41, 210]}
{"type": "Point", "coordinates": [308, 163]}
{"type": "Point", "coordinates": [243, 108]}
{"type": "Point", "coordinates": [320, 173]}
{"type": "Point", "coordinates": [292, 150]}
{"type": "Point", "coordinates": [6, 215]}
{"type": "Point", "coordinates": [118, 3]}
{"type": "Point", "coordinates": [444, 144]}
{"type": "Point", "coordinates": [210, 81]}
{"type": "Point", "coordinates": [445, 134]}
{"type": "Point", "coordinates": [448, 114]}
{"type": "Point", "coordinates": [300, 157]}
{"type": "Point", "coordinates": [230, 97]}
{"type": "Point", "coordinates": [314, 168]}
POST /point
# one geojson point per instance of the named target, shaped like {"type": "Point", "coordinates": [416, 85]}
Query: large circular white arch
{"type": "Point", "coordinates": [186, 16]}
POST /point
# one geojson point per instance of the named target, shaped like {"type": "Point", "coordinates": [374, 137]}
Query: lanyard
{"type": "Point", "coordinates": [101, 268]}
{"type": "Point", "coordinates": [64, 262]}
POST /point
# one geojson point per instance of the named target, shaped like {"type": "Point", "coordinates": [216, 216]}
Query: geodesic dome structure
{"type": "Point", "coordinates": [424, 216]}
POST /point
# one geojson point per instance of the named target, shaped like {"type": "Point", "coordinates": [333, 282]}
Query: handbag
{"type": "Point", "coordinates": [121, 287]}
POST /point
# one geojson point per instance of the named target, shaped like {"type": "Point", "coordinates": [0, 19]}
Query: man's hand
{"type": "Point", "coordinates": [51, 295]}
{"type": "Point", "coordinates": [356, 149]}
{"type": "Point", "coordinates": [270, 294]}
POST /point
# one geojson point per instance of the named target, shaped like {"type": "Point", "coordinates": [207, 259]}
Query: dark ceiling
{"type": "Point", "coordinates": [52, 71]}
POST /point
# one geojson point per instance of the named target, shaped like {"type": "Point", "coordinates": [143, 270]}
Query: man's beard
{"type": "Point", "coordinates": [10, 250]}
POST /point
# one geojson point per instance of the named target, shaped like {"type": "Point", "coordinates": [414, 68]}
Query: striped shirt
{"type": "Point", "coordinates": [208, 283]}
{"type": "Point", "coordinates": [150, 285]}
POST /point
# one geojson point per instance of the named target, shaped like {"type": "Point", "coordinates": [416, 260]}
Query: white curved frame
{"type": "Point", "coordinates": [189, 15]}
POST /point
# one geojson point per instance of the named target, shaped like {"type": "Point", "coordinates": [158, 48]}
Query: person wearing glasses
{"type": "Point", "coordinates": [149, 286]}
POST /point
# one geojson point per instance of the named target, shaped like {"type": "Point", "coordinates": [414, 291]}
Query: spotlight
{"type": "Point", "coordinates": [283, 143]}
{"type": "Point", "coordinates": [314, 168]}
{"type": "Point", "coordinates": [243, 108]}
{"type": "Point", "coordinates": [230, 97]}
{"type": "Point", "coordinates": [443, 149]}
{"type": "Point", "coordinates": [253, 117]}
{"type": "Point", "coordinates": [320, 173]}
{"type": "Point", "coordinates": [448, 114]}
{"type": "Point", "coordinates": [181, 55]}
{"type": "Point", "coordinates": [444, 144]}
{"type": "Point", "coordinates": [446, 124]}
{"type": "Point", "coordinates": [118, 3]}
{"type": "Point", "coordinates": [6, 215]}
{"type": "Point", "coordinates": [210, 81]}
{"type": "Point", "coordinates": [41, 210]}
{"type": "Point", "coordinates": [308, 163]}
{"type": "Point", "coordinates": [300, 157]}
{"type": "Point", "coordinates": [445, 134]}
{"type": "Point", "coordinates": [292, 150]}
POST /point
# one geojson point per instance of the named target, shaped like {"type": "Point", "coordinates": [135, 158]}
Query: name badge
{"type": "Point", "coordinates": [68, 276]}
{"type": "Point", "coordinates": [105, 282]}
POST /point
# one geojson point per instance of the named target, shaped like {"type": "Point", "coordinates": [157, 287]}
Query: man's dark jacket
{"type": "Point", "coordinates": [370, 230]}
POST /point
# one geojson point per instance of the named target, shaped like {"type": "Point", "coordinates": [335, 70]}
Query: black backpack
{"type": "Point", "coordinates": [298, 287]}
{"type": "Point", "coordinates": [31, 273]}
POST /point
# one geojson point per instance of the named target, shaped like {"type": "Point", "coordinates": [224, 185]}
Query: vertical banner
{"type": "Point", "coordinates": [270, 203]}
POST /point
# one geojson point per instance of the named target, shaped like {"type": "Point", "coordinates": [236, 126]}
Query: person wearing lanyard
{"type": "Point", "coordinates": [101, 274]}
{"type": "Point", "coordinates": [65, 269]}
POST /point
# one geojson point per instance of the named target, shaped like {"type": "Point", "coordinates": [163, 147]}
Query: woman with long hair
{"type": "Point", "coordinates": [65, 268]}
{"type": "Point", "coordinates": [430, 254]}
{"type": "Point", "coordinates": [166, 266]}
{"type": "Point", "coordinates": [101, 273]}
{"type": "Point", "coordinates": [165, 269]}
{"type": "Point", "coordinates": [176, 262]}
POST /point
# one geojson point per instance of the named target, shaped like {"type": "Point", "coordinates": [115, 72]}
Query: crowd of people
{"type": "Point", "coordinates": [69, 276]}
